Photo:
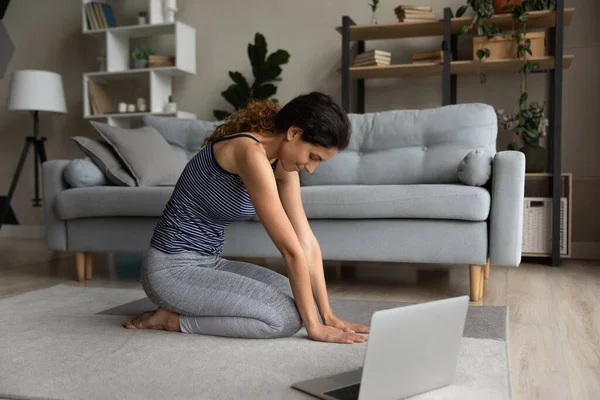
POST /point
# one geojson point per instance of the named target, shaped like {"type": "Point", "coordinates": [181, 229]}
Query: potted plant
{"type": "Point", "coordinates": [266, 69]}
{"type": "Point", "coordinates": [528, 125]}
{"type": "Point", "coordinates": [140, 57]}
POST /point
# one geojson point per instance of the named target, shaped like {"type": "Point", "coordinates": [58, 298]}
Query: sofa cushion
{"type": "Point", "coordinates": [112, 201]}
{"type": "Point", "coordinates": [476, 168]}
{"type": "Point", "coordinates": [457, 202]}
{"type": "Point", "coordinates": [184, 135]}
{"type": "Point", "coordinates": [144, 151]}
{"type": "Point", "coordinates": [409, 146]}
{"type": "Point", "coordinates": [83, 173]}
{"type": "Point", "coordinates": [441, 201]}
{"type": "Point", "coordinates": [103, 155]}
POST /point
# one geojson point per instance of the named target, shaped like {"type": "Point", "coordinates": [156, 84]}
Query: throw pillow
{"type": "Point", "coordinates": [184, 134]}
{"type": "Point", "coordinates": [83, 173]}
{"type": "Point", "coordinates": [147, 155]}
{"type": "Point", "coordinates": [476, 168]}
{"type": "Point", "coordinates": [105, 158]}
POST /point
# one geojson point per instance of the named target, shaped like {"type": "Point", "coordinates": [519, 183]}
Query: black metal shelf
{"type": "Point", "coordinates": [552, 21]}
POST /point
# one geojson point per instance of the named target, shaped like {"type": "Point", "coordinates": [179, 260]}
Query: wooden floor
{"type": "Point", "coordinates": [554, 313]}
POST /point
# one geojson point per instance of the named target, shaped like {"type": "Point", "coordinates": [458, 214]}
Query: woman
{"type": "Point", "coordinates": [249, 165]}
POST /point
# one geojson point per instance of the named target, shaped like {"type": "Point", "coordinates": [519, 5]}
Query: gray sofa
{"type": "Point", "coordinates": [394, 195]}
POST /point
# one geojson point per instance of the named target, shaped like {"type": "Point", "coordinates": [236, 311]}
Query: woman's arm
{"type": "Point", "coordinates": [257, 174]}
{"type": "Point", "coordinates": [288, 184]}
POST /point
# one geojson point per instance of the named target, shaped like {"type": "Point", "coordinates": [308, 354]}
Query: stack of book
{"type": "Point", "coordinates": [415, 14]}
{"type": "Point", "coordinates": [428, 56]}
{"type": "Point", "coordinates": [99, 15]}
{"type": "Point", "coordinates": [372, 58]}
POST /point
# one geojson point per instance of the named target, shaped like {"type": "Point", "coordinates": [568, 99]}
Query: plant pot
{"type": "Point", "coordinates": [502, 48]}
{"type": "Point", "coordinates": [140, 63]}
{"type": "Point", "coordinates": [500, 4]}
{"type": "Point", "coordinates": [536, 158]}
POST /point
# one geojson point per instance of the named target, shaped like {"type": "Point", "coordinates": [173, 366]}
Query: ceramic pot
{"type": "Point", "coordinates": [500, 4]}
{"type": "Point", "coordinates": [536, 158]}
{"type": "Point", "coordinates": [141, 63]}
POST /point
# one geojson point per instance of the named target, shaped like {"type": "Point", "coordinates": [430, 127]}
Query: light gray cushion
{"type": "Point", "coordinates": [409, 146]}
{"type": "Point", "coordinates": [184, 135]}
{"type": "Point", "coordinates": [457, 202]}
{"type": "Point", "coordinates": [147, 155]}
{"type": "Point", "coordinates": [83, 173]}
{"type": "Point", "coordinates": [112, 201]}
{"type": "Point", "coordinates": [476, 168]}
{"type": "Point", "coordinates": [441, 201]}
{"type": "Point", "coordinates": [106, 159]}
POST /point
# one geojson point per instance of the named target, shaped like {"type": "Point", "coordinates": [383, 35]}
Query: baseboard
{"type": "Point", "coordinates": [586, 250]}
{"type": "Point", "coordinates": [22, 231]}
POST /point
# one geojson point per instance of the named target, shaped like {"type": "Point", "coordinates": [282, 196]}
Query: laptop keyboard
{"type": "Point", "coordinates": [345, 393]}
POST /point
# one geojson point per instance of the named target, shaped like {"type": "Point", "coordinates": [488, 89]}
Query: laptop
{"type": "Point", "coordinates": [411, 350]}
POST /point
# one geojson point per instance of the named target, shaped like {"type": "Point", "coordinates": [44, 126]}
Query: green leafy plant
{"type": "Point", "coordinates": [528, 124]}
{"type": "Point", "coordinates": [374, 5]}
{"type": "Point", "coordinates": [265, 69]}
{"type": "Point", "coordinates": [142, 54]}
{"type": "Point", "coordinates": [484, 10]}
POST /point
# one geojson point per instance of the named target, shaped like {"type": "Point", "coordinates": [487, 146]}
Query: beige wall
{"type": "Point", "coordinates": [47, 34]}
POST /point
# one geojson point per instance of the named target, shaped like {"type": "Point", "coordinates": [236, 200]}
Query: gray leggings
{"type": "Point", "coordinates": [215, 296]}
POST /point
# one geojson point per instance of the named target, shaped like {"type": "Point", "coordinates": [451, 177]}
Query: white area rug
{"type": "Point", "coordinates": [67, 343]}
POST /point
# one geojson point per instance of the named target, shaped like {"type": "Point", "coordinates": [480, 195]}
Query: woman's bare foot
{"type": "Point", "coordinates": [161, 319]}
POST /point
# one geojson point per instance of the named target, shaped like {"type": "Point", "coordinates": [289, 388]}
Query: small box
{"type": "Point", "coordinates": [502, 48]}
{"type": "Point", "coordinates": [537, 225]}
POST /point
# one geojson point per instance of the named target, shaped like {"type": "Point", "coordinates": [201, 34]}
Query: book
{"type": "Point", "coordinates": [414, 8]}
{"type": "Point", "coordinates": [420, 13]}
{"type": "Point", "coordinates": [99, 15]}
{"type": "Point", "coordinates": [428, 55]}
{"type": "Point", "coordinates": [373, 63]}
{"type": "Point", "coordinates": [372, 57]}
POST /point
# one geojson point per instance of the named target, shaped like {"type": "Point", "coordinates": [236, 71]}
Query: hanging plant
{"type": "Point", "coordinates": [483, 9]}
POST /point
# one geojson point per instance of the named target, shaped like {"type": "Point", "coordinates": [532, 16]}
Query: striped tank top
{"type": "Point", "coordinates": [205, 200]}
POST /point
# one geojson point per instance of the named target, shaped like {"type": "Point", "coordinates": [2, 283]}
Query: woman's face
{"type": "Point", "coordinates": [296, 154]}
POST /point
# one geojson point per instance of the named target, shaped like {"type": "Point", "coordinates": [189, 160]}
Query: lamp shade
{"type": "Point", "coordinates": [35, 90]}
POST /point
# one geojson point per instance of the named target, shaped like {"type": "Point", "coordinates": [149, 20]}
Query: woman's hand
{"type": "Point", "coordinates": [345, 325]}
{"type": "Point", "coordinates": [324, 333]}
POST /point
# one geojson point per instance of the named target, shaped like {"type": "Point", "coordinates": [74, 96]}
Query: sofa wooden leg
{"type": "Point", "coordinates": [476, 279]}
{"type": "Point", "coordinates": [80, 262]}
{"type": "Point", "coordinates": [487, 269]}
{"type": "Point", "coordinates": [338, 271]}
{"type": "Point", "coordinates": [481, 280]}
{"type": "Point", "coordinates": [88, 266]}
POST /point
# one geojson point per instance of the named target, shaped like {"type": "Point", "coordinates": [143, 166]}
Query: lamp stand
{"type": "Point", "coordinates": [40, 157]}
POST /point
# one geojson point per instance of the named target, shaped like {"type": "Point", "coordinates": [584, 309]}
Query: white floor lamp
{"type": "Point", "coordinates": [34, 91]}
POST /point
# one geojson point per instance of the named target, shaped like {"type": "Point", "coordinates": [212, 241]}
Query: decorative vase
{"type": "Point", "coordinates": [169, 10]}
{"type": "Point", "coordinates": [536, 157]}
{"type": "Point", "coordinates": [171, 106]}
{"type": "Point", "coordinates": [373, 18]}
{"type": "Point", "coordinates": [141, 63]}
{"type": "Point", "coordinates": [500, 4]}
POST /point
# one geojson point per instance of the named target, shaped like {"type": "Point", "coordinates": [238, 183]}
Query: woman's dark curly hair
{"type": "Point", "coordinates": [322, 120]}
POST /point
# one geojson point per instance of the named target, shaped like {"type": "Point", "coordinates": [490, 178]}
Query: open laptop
{"type": "Point", "coordinates": [411, 350]}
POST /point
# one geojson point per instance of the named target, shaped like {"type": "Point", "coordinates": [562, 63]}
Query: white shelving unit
{"type": "Point", "coordinates": [118, 61]}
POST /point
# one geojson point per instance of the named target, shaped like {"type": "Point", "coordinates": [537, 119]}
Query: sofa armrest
{"type": "Point", "coordinates": [54, 183]}
{"type": "Point", "coordinates": [506, 217]}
